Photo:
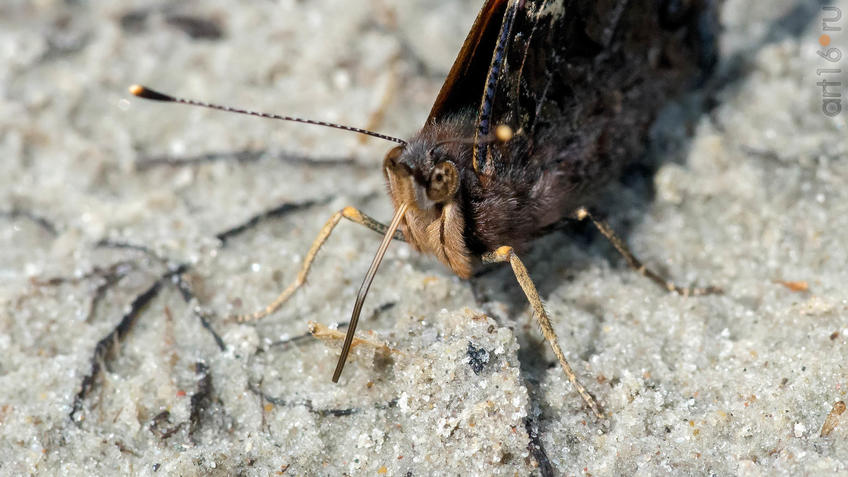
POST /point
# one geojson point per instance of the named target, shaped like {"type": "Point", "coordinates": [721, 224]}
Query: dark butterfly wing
{"type": "Point", "coordinates": [509, 62]}
{"type": "Point", "coordinates": [464, 83]}
{"type": "Point", "coordinates": [579, 82]}
{"type": "Point", "coordinates": [588, 74]}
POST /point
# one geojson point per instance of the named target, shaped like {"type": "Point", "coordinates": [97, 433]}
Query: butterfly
{"type": "Point", "coordinates": [547, 100]}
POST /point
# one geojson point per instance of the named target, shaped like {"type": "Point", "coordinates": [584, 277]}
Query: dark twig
{"type": "Point", "coordinates": [109, 277]}
{"type": "Point", "coordinates": [107, 243]}
{"type": "Point", "coordinates": [197, 28]}
{"type": "Point", "coordinates": [188, 295]}
{"type": "Point", "coordinates": [181, 284]}
{"type": "Point", "coordinates": [278, 211]}
{"type": "Point", "coordinates": [107, 343]}
{"type": "Point", "coordinates": [307, 403]}
{"type": "Point", "coordinates": [146, 163]}
{"type": "Point", "coordinates": [535, 448]}
{"type": "Point", "coordinates": [118, 268]}
{"type": "Point", "coordinates": [115, 274]}
{"type": "Point", "coordinates": [293, 339]}
{"type": "Point", "coordinates": [143, 163]}
{"type": "Point", "coordinates": [157, 425]}
{"type": "Point", "coordinates": [37, 219]}
{"type": "Point", "coordinates": [201, 398]}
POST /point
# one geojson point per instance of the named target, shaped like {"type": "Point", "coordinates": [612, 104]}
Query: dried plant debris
{"type": "Point", "coordinates": [833, 418]}
{"type": "Point", "coordinates": [796, 286]}
{"type": "Point", "coordinates": [324, 333]}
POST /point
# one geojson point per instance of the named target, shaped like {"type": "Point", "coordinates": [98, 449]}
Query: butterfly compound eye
{"type": "Point", "coordinates": [444, 182]}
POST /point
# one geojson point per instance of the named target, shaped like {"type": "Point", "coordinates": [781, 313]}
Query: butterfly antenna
{"type": "Point", "coordinates": [152, 94]}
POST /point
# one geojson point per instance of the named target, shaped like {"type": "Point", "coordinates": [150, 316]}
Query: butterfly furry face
{"type": "Point", "coordinates": [425, 173]}
{"type": "Point", "coordinates": [429, 174]}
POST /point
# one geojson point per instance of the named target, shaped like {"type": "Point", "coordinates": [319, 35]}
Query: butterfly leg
{"type": "Point", "coordinates": [636, 264]}
{"type": "Point", "coordinates": [350, 213]}
{"type": "Point", "coordinates": [506, 254]}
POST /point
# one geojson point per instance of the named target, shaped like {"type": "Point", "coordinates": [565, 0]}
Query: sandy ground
{"type": "Point", "coordinates": [116, 356]}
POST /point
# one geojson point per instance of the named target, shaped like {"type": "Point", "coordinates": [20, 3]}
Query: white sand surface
{"type": "Point", "coordinates": [95, 217]}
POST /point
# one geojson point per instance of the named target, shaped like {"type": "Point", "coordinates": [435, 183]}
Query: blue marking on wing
{"type": "Point", "coordinates": [484, 117]}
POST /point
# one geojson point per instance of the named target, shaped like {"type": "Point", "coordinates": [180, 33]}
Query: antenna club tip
{"type": "Point", "coordinates": [151, 94]}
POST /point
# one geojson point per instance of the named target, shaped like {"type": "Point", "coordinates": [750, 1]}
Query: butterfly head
{"type": "Point", "coordinates": [424, 177]}
{"type": "Point", "coordinates": [421, 175]}
{"type": "Point", "coordinates": [427, 171]}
